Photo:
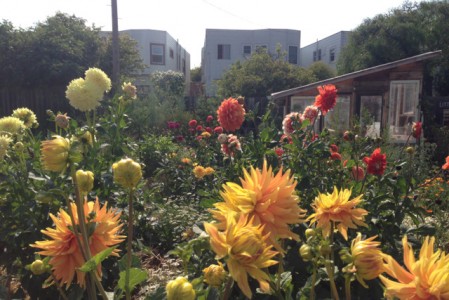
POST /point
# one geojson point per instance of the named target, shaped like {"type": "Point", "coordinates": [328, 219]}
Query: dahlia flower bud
{"type": "Point", "coordinates": [357, 173]}
{"type": "Point", "coordinates": [85, 181]}
{"type": "Point", "coordinates": [306, 252]}
{"type": "Point", "coordinates": [55, 154]}
{"type": "Point", "coordinates": [127, 173]}
{"type": "Point", "coordinates": [222, 138]}
{"type": "Point", "coordinates": [215, 275]}
{"type": "Point", "coordinates": [410, 150]}
{"type": "Point", "coordinates": [62, 121]}
{"type": "Point", "coordinates": [38, 267]}
{"type": "Point", "coordinates": [180, 288]}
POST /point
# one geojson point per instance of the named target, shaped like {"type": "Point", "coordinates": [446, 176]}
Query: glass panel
{"type": "Point", "coordinates": [338, 118]}
{"type": "Point", "coordinates": [370, 115]}
{"type": "Point", "coordinates": [403, 108]}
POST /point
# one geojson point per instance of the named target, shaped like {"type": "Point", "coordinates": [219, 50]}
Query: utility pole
{"type": "Point", "coordinates": [115, 46]}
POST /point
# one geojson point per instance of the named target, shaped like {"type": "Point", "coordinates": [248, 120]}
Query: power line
{"type": "Point", "coordinates": [231, 14]}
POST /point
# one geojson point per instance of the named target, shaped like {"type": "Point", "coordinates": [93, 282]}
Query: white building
{"type": "Point", "coordinates": [326, 50]}
{"type": "Point", "coordinates": [223, 47]}
{"type": "Point", "coordinates": [159, 52]}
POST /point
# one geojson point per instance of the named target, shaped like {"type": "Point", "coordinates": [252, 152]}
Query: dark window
{"type": "Point", "coordinates": [314, 55]}
{"type": "Point", "coordinates": [172, 53]}
{"type": "Point", "coordinates": [224, 51]}
{"type": "Point", "coordinates": [332, 55]}
{"type": "Point", "coordinates": [319, 54]}
{"type": "Point", "coordinates": [157, 54]}
{"type": "Point", "coordinates": [293, 55]}
{"type": "Point", "coordinates": [261, 48]}
{"type": "Point", "coordinates": [246, 50]}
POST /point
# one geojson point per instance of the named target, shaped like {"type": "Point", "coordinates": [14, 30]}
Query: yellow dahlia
{"type": "Point", "coordinates": [367, 258]}
{"type": "Point", "coordinates": [55, 154]}
{"type": "Point", "coordinates": [5, 141]}
{"type": "Point", "coordinates": [62, 246]}
{"type": "Point", "coordinates": [209, 171]}
{"type": "Point", "coordinates": [230, 114]}
{"type": "Point", "coordinates": [98, 78]}
{"type": "Point", "coordinates": [338, 209]}
{"type": "Point", "coordinates": [199, 172]}
{"type": "Point", "coordinates": [26, 115]}
{"type": "Point", "coordinates": [245, 249]}
{"type": "Point", "coordinates": [269, 198]}
{"type": "Point", "coordinates": [129, 90]}
{"type": "Point", "coordinates": [83, 96]}
{"type": "Point", "coordinates": [11, 125]}
{"type": "Point", "coordinates": [425, 278]}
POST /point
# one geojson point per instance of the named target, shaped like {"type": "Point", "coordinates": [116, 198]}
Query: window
{"type": "Point", "coordinates": [246, 50]}
{"type": "Point", "coordinates": [319, 54]}
{"type": "Point", "coordinates": [184, 66]}
{"type": "Point", "coordinates": [338, 118]}
{"type": "Point", "coordinates": [224, 51]}
{"type": "Point", "coordinates": [370, 115]}
{"type": "Point", "coordinates": [172, 53]}
{"type": "Point", "coordinates": [332, 55]}
{"type": "Point", "coordinates": [293, 55]}
{"type": "Point", "coordinates": [404, 98]}
{"type": "Point", "coordinates": [260, 48]}
{"type": "Point", "coordinates": [157, 54]}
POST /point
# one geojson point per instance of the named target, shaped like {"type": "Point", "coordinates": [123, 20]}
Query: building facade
{"type": "Point", "coordinates": [326, 50]}
{"type": "Point", "coordinates": [159, 52]}
{"type": "Point", "coordinates": [223, 47]}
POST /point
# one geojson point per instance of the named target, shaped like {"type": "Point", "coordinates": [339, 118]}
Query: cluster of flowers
{"type": "Point", "coordinates": [200, 171]}
{"type": "Point", "coordinates": [12, 128]}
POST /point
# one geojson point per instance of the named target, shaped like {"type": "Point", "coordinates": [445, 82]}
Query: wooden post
{"type": "Point", "coordinates": [115, 46]}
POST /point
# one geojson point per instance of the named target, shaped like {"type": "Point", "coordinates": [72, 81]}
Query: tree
{"type": "Point", "coordinates": [321, 70]}
{"type": "Point", "coordinates": [261, 75]}
{"type": "Point", "coordinates": [403, 32]}
{"type": "Point", "coordinates": [195, 74]}
{"type": "Point", "coordinates": [62, 48]}
{"type": "Point", "coordinates": [131, 63]}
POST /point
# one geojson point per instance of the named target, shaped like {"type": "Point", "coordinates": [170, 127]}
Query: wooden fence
{"type": "Point", "coordinates": [39, 100]}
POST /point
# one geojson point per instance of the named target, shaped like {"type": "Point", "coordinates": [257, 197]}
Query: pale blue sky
{"type": "Point", "coordinates": [187, 20]}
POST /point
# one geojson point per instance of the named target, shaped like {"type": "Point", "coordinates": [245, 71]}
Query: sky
{"type": "Point", "coordinates": [187, 20]}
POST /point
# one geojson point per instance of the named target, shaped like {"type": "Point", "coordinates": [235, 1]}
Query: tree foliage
{"type": "Point", "coordinates": [57, 50]}
{"type": "Point", "coordinates": [409, 30]}
{"type": "Point", "coordinates": [261, 75]}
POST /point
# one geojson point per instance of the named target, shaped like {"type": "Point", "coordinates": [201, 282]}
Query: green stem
{"type": "Point", "coordinates": [330, 264]}
{"type": "Point", "coordinates": [228, 288]}
{"type": "Point", "coordinates": [312, 289]}
{"type": "Point", "coordinates": [58, 286]}
{"type": "Point", "coordinates": [348, 287]}
{"type": "Point", "coordinates": [84, 235]}
{"type": "Point", "coordinates": [129, 245]}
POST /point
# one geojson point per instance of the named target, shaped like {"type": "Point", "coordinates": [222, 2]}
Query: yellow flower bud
{"type": "Point", "coordinates": [306, 252]}
{"type": "Point", "coordinates": [215, 275]}
{"type": "Point", "coordinates": [38, 267]}
{"type": "Point", "coordinates": [410, 150]}
{"type": "Point", "coordinates": [85, 181]}
{"type": "Point", "coordinates": [127, 173]}
{"type": "Point", "coordinates": [180, 288]}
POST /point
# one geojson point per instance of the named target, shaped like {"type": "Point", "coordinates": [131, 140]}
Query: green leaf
{"type": "Point", "coordinates": [135, 262]}
{"type": "Point", "coordinates": [136, 276]}
{"type": "Point", "coordinates": [92, 263]}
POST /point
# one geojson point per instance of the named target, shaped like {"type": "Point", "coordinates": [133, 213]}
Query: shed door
{"type": "Point", "coordinates": [371, 115]}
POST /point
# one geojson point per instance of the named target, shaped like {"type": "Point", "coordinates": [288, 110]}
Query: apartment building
{"type": "Point", "coordinates": [159, 52]}
{"type": "Point", "coordinates": [326, 50]}
{"type": "Point", "coordinates": [224, 47]}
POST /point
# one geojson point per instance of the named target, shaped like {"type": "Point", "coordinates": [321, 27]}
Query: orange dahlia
{"type": "Point", "coordinates": [425, 278]}
{"type": "Point", "coordinates": [326, 99]}
{"type": "Point", "coordinates": [245, 249]}
{"type": "Point", "coordinates": [268, 198]}
{"type": "Point", "coordinates": [446, 165]}
{"type": "Point", "coordinates": [230, 114]}
{"type": "Point", "coordinates": [338, 209]}
{"type": "Point", "coordinates": [66, 255]}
